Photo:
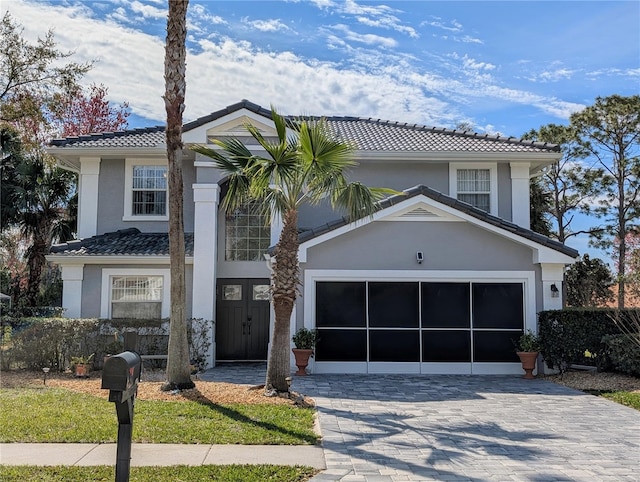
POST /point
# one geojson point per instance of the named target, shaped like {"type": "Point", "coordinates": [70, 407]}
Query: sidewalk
{"type": "Point", "coordinates": [161, 454]}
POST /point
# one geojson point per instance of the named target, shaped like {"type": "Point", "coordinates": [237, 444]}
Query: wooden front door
{"type": "Point", "coordinates": [242, 319]}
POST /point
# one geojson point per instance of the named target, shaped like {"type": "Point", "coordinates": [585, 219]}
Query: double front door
{"type": "Point", "coordinates": [242, 319]}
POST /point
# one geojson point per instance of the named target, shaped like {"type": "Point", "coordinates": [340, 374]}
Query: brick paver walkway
{"type": "Point", "coordinates": [466, 428]}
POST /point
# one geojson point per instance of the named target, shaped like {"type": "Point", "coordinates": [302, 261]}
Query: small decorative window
{"type": "Point", "coordinates": [136, 296]}
{"type": "Point", "coordinates": [247, 235]}
{"type": "Point", "coordinates": [149, 197]}
{"type": "Point", "coordinates": [474, 187]}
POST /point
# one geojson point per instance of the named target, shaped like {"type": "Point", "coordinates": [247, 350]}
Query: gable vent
{"type": "Point", "coordinates": [419, 212]}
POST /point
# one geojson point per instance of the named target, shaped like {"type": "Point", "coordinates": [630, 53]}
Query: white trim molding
{"type": "Point", "coordinates": [520, 201]}
{"type": "Point", "coordinates": [88, 187]}
{"type": "Point", "coordinates": [72, 277]}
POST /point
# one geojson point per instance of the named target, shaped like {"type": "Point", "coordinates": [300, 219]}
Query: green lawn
{"type": "Point", "coordinates": [222, 473]}
{"type": "Point", "coordinates": [59, 415]}
{"type": "Point", "coordinates": [624, 398]}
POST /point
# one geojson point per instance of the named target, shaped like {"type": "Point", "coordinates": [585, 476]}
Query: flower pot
{"type": "Point", "coordinates": [82, 370]}
{"type": "Point", "coordinates": [302, 359]}
{"type": "Point", "coordinates": [528, 359]}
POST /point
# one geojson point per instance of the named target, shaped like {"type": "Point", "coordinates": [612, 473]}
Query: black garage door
{"type": "Point", "coordinates": [441, 322]}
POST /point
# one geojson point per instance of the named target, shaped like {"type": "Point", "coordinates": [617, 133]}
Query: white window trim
{"type": "Point", "coordinates": [107, 274]}
{"type": "Point", "coordinates": [493, 176]}
{"type": "Point", "coordinates": [128, 189]}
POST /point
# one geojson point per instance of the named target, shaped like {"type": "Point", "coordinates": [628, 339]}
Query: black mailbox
{"type": "Point", "coordinates": [121, 374]}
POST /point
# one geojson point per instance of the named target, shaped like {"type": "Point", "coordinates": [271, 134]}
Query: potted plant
{"type": "Point", "coordinates": [81, 365]}
{"type": "Point", "coordinates": [304, 341]}
{"type": "Point", "coordinates": [527, 349]}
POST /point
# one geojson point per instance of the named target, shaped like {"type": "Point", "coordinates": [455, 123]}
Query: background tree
{"type": "Point", "coordinates": [31, 73]}
{"type": "Point", "coordinates": [588, 283]}
{"type": "Point", "coordinates": [178, 370]}
{"type": "Point", "coordinates": [41, 98]}
{"type": "Point", "coordinates": [610, 131]}
{"type": "Point", "coordinates": [539, 207]}
{"type": "Point", "coordinates": [308, 166]}
{"type": "Point", "coordinates": [563, 188]}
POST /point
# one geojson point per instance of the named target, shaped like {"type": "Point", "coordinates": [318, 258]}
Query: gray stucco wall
{"type": "Point", "coordinates": [446, 246]}
{"type": "Point", "coordinates": [504, 192]}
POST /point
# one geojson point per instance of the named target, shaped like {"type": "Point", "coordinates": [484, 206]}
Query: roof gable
{"type": "Point", "coordinates": [430, 205]}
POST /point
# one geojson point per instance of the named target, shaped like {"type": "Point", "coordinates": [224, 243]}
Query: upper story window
{"type": "Point", "coordinates": [474, 187]}
{"type": "Point", "coordinates": [149, 190]}
{"type": "Point", "coordinates": [247, 236]}
{"type": "Point", "coordinates": [145, 196]}
{"type": "Point", "coordinates": [475, 184]}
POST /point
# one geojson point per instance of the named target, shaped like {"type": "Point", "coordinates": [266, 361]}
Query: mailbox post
{"type": "Point", "coordinates": [120, 375]}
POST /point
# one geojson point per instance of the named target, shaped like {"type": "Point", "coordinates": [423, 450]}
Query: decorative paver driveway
{"type": "Point", "coordinates": [474, 428]}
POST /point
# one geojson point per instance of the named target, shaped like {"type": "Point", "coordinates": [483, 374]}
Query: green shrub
{"type": "Point", "coordinates": [566, 336]}
{"type": "Point", "coordinates": [623, 353]}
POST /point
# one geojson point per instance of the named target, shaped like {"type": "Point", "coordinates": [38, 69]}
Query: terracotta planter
{"type": "Point", "coordinates": [528, 359]}
{"type": "Point", "coordinates": [82, 370]}
{"type": "Point", "coordinates": [302, 359]}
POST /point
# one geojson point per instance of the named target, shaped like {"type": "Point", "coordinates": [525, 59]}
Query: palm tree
{"type": "Point", "coordinates": [307, 166]}
{"type": "Point", "coordinates": [178, 370]}
{"type": "Point", "coordinates": [41, 193]}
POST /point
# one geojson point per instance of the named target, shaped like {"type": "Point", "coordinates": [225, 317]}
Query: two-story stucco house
{"type": "Point", "coordinates": [440, 280]}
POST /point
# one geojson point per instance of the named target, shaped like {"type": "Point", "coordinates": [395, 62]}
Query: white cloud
{"type": "Point", "coordinates": [369, 39]}
{"type": "Point", "coordinates": [272, 25]}
{"type": "Point", "coordinates": [148, 11]}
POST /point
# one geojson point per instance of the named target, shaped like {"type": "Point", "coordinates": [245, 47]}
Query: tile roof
{"type": "Point", "coordinates": [456, 204]}
{"type": "Point", "coordinates": [125, 242]}
{"type": "Point", "coordinates": [367, 134]}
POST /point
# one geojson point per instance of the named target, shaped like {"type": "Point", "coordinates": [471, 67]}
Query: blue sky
{"type": "Point", "coordinates": [505, 67]}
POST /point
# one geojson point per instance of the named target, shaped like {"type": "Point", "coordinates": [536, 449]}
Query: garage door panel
{"type": "Point", "coordinates": [495, 346]}
{"type": "Point", "coordinates": [446, 346]}
{"type": "Point", "coordinates": [446, 305]}
{"type": "Point", "coordinates": [498, 305]}
{"type": "Point", "coordinates": [393, 305]}
{"type": "Point", "coordinates": [341, 304]}
{"type": "Point", "coordinates": [341, 345]}
{"type": "Point", "coordinates": [394, 346]}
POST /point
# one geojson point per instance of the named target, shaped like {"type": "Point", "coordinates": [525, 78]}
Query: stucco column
{"type": "Point", "coordinates": [205, 247]}
{"type": "Point", "coordinates": [72, 277]}
{"type": "Point", "coordinates": [552, 277]}
{"type": "Point", "coordinates": [520, 213]}
{"type": "Point", "coordinates": [88, 197]}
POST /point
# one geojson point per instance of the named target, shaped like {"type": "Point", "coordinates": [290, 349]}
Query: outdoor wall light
{"type": "Point", "coordinates": [555, 293]}
{"type": "Point", "coordinates": [419, 257]}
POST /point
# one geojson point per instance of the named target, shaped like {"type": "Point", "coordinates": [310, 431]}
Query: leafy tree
{"type": "Point", "coordinates": [84, 113]}
{"type": "Point", "coordinates": [178, 370]}
{"type": "Point", "coordinates": [563, 188]}
{"type": "Point", "coordinates": [610, 131]}
{"type": "Point", "coordinates": [33, 73]}
{"type": "Point", "coordinates": [588, 283]}
{"type": "Point", "coordinates": [539, 206]}
{"type": "Point", "coordinates": [307, 166]}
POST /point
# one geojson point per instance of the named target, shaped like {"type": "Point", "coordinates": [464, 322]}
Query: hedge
{"type": "Point", "coordinates": [577, 336]}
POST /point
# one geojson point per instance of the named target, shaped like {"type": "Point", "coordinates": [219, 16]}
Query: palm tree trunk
{"type": "Point", "coordinates": [35, 261]}
{"type": "Point", "coordinates": [285, 288]}
{"type": "Point", "coordinates": [178, 369]}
